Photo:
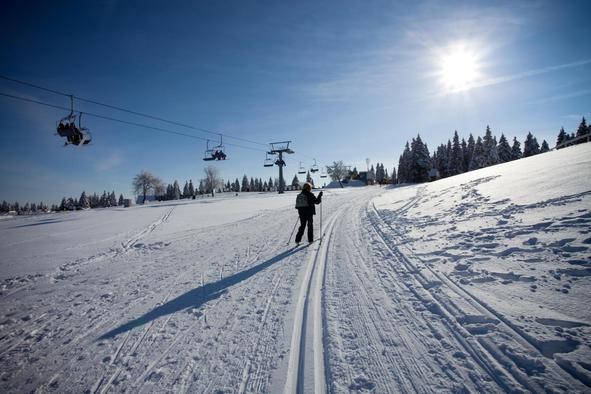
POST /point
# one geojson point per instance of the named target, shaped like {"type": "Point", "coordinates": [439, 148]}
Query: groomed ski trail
{"type": "Point", "coordinates": [307, 358]}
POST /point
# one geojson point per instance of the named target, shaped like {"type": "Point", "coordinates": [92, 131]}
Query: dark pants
{"type": "Point", "coordinates": [309, 219]}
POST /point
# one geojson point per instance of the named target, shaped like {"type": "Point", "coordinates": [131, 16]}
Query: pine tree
{"type": "Point", "coordinates": [84, 202]}
{"type": "Point", "coordinates": [404, 164]}
{"type": "Point", "coordinates": [244, 184]}
{"type": "Point", "coordinates": [478, 156]}
{"type": "Point", "coordinates": [456, 159]}
{"type": "Point", "coordinates": [469, 151]}
{"type": "Point", "coordinates": [270, 184]}
{"type": "Point", "coordinates": [582, 130]}
{"type": "Point", "coordinates": [544, 148]}
{"type": "Point", "coordinates": [490, 148]}
{"type": "Point", "coordinates": [251, 187]}
{"type": "Point", "coordinates": [176, 190]}
{"type": "Point", "coordinates": [562, 138]}
{"type": "Point", "coordinates": [113, 199]}
{"type": "Point", "coordinates": [441, 160]}
{"type": "Point", "coordinates": [191, 189]}
{"type": "Point", "coordinates": [309, 179]}
{"type": "Point", "coordinates": [186, 190]}
{"type": "Point", "coordinates": [202, 187]}
{"type": "Point", "coordinates": [530, 146]}
{"type": "Point", "coordinates": [394, 177]}
{"type": "Point", "coordinates": [516, 149]}
{"type": "Point", "coordinates": [421, 161]}
{"type": "Point", "coordinates": [504, 150]}
{"type": "Point", "coordinates": [295, 183]}
{"type": "Point", "coordinates": [5, 208]}
{"type": "Point", "coordinates": [121, 201]}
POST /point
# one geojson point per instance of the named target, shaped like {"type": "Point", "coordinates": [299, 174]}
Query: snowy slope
{"type": "Point", "coordinates": [476, 283]}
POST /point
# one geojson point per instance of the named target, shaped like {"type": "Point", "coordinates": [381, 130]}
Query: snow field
{"type": "Point", "coordinates": [475, 283]}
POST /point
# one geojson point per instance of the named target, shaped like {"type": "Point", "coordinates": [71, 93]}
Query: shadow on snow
{"type": "Point", "coordinates": [198, 296]}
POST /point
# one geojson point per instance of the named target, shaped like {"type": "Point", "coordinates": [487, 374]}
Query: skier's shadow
{"type": "Point", "coordinates": [198, 296]}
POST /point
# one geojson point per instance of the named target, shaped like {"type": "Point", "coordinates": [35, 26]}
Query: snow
{"type": "Point", "coordinates": [475, 283]}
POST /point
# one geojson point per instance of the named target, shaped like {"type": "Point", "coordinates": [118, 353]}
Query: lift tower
{"type": "Point", "coordinates": [279, 148]}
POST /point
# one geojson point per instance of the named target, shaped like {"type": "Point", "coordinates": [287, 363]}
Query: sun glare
{"type": "Point", "coordinates": [459, 69]}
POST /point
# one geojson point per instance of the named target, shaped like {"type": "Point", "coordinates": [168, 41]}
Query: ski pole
{"type": "Point", "coordinates": [321, 234]}
{"type": "Point", "coordinates": [291, 235]}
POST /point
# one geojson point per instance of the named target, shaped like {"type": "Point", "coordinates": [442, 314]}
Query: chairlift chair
{"type": "Point", "coordinates": [268, 161]}
{"type": "Point", "coordinates": [67, 125]}
{"type": "Point", "coordinates": [301, 170]}
{"type": "Point", "coordinates": [215, 153]}
{"type": "Point", "coordinates": [314, 167]}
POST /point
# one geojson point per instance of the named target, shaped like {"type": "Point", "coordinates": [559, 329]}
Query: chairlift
{"type": "Point", "coordinates": [268, 161]}
{"type": "Point", "coordinates": [216, 152]}
{"type": "Point", "coordinates": [301, 170]}
{"type": "Point", "coordinates": [67, 125]}
{"type": "Point", "coordinates": [314, 167]}
{"type": "Point", "coordinates": [84, 133]}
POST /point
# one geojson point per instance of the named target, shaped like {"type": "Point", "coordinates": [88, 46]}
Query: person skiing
{"type": "Point", "coordinates": [305, 204]}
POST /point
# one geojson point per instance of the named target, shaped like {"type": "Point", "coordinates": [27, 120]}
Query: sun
{"type": "Point", "coordinates": [459, 68]}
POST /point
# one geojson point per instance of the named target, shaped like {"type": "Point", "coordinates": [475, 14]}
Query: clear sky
{"type": "Point", "coordinates": [344, 80]}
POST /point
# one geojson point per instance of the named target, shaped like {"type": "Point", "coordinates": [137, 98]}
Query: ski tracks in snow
{"type": "Point", "coordinates": [498, 347]}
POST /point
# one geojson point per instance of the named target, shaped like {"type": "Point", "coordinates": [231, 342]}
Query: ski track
{"type": "Point", "coordinates": [464, 312]}
{"type": "Point", "coordinates": [303, 333]}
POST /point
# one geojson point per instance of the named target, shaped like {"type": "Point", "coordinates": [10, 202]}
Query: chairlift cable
{"type": "Point", "coordinates": [90, 101]}
{"type": "Point", "coordinates": [122, 121]}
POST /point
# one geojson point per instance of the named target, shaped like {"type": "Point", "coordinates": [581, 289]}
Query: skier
{"type": "Point", "coordinates": [305, 204]}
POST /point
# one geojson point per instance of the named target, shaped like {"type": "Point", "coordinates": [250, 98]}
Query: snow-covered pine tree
{"type": "Point", "coordinates": [456, 160]}
{"type": "Point", "coordinates": [394, 177]}
{"type": "Point", "coordinates": [121, 201]}
{"type": "Point", "coordinates": [516, 149]}
{"type": "Point", "coordinates": [562, 137]}
{"type": "Point", "coordinates": [202, 190]}
{"type": "Point", "coordinates": [270, 183]}
{"type": "Point", "coordinates": [186, 193]}
{"type": "Point", "coordinates": [113, 199]}
{"type": "Point", "coordinates": [504, 150]}
{"type": "Point", "coordinates": [5, 207]}
{"type": "Point", "coordinates": [176, 190]}
{"type": "Point", "coordinates": [489, 144]}
{"type": "Point", "coordinates": [84, 202]}
{"type": "Point", "coordinates": [530, 146]}
{"type": "Point", "coordinates": [265, 186]}
{"type": "Point", "coordinates": [228, 186]}
{"type": "Point", "coordinates": [478, 156]}
{"type": "Point", "coordinates": [544, 147]}
{"type": "Point", "coordinates": [295, 183]}
{"type": "Point", "coordinates": [371, 176]}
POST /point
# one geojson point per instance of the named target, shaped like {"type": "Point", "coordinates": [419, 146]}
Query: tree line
{"type": "Point", "coordinates": [67, 204]}
{"type": "Point", "coordinates": [416, 164]}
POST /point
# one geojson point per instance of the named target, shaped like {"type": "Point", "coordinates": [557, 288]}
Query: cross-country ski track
{"type": "Point", "coordinates": [410, 290]}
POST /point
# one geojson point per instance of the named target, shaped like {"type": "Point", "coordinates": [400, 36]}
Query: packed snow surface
{"type": "Point", "coordinates": [476, 283]}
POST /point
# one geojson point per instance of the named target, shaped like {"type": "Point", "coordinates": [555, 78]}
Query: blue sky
{"type": "Point", "coordinates": [344, 80]}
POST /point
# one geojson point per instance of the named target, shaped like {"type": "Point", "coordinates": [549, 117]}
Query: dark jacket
{"type": "Point", "coordinates": [312, 200]}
